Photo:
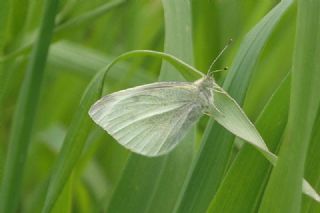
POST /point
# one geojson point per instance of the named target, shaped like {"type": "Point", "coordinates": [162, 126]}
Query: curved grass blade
{"type": "Point", "coordinates": [304, 104]}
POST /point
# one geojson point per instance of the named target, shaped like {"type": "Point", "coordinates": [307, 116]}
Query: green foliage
{"type": "Point", "coordinates": [25, 112]}
{"type": "Point", "coordinates": [54, 159]}
{"type": "Point", "coordinates": [304, 105]}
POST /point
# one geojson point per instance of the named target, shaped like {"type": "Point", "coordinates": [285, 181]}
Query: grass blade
{"type": "Point", "coordinates": [303, 108]}
{"type": "Point", "coordinates": [213, 158]}
{"type": "Point", "coordinates": [235, 120]}
{"type": "Point", "coordinates": [25, 112]}
{"type": "Point", "coordinates": [312, 171]}
{"type": "Point", "coordinates": [73, 143]}
{"type": "Point", "coordinates": [241, 189]}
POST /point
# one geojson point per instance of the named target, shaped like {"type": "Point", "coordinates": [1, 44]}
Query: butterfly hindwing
{"type": "Point", "coordinates": [149, 119]}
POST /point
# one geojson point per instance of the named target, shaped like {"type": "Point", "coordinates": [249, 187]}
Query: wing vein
{"type": "Point", "coordinates": [147, 116]}
{"type": "Point", "coordinates": [171, 130]}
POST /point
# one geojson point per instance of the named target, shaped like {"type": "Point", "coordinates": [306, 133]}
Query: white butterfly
{"type": "Point", "coordinates": [152, 119]}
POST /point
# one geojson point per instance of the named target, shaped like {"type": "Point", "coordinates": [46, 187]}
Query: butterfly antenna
{"type": "Point", "coordinates": [216, 59]}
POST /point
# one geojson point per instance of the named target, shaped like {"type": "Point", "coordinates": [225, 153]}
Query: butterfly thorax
{"type": "Point", "coordinates": [206, 87]}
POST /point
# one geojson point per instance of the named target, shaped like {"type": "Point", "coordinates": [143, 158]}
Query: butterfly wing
{"type": "Point", "coordinates": [149, 119]}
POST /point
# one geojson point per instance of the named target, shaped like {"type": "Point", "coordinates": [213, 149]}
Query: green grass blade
{"type": "Point", "coordinates": [64, 202]}
{"type": "Point", "coordinates": [25, 112]}
{"type": "Point", "coordinates": [178, 38]}
{"type": "Point", "coordinates": [205, 39]}
{"type": "Point", "coordinates": [241, 189]}
{"type": "Point", "coordinates": [312, 170]}
{"type": "Point", "coordinates": [234, 119]}
{"type": "Point", "coordinates": [213, 158]}
{"type": "Point", "coordinates": [231, 117]}
{"type": "Point", "coordinates": [73, 143]}
{"type": "Point", "coordinates": [271, 70]}
{"type": "Point", "coordinates": [283, 193]}
{"type": "Point", "coordinates": [136, 185]}
{"type": "Point", "coordinates": [149, 185]}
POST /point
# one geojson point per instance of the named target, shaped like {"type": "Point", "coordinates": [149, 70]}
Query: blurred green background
{"type": "Point", "coordinates": [87, 36]}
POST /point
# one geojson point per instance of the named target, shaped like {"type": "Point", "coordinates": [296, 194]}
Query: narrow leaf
{"type": "Point", "coordinates": [26, 110]}
{"type": "Point", "coordinates": [312, 170]}
{"type": "Point", "coordinates": [283, 193]}
{"type": "Point", "coordinates": [73, 142]}
{"type": "Point", "coordinates": [234, 119]}
{"type": "Point", "coordinates": [241, 188]}
{"type": "Point", "coordinates": [214, 155]}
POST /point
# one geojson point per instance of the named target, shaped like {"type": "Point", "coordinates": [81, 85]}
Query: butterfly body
{"type": "Point", "coordinates": [152, 119]}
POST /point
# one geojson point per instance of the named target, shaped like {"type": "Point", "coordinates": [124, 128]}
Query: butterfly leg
{"type": "Point", "coordinates": [216, 108]}
{"type": "Point", "coordinates": [218, 89]}
{"type": "Point", "coordinates": [211, 111]}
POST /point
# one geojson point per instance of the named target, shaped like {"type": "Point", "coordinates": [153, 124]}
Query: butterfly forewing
{"type": "Point", "coordinates": [149, 119]}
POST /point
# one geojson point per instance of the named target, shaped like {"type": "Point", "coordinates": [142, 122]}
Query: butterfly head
{"type": "Point", "coordinates": [205, 84]}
